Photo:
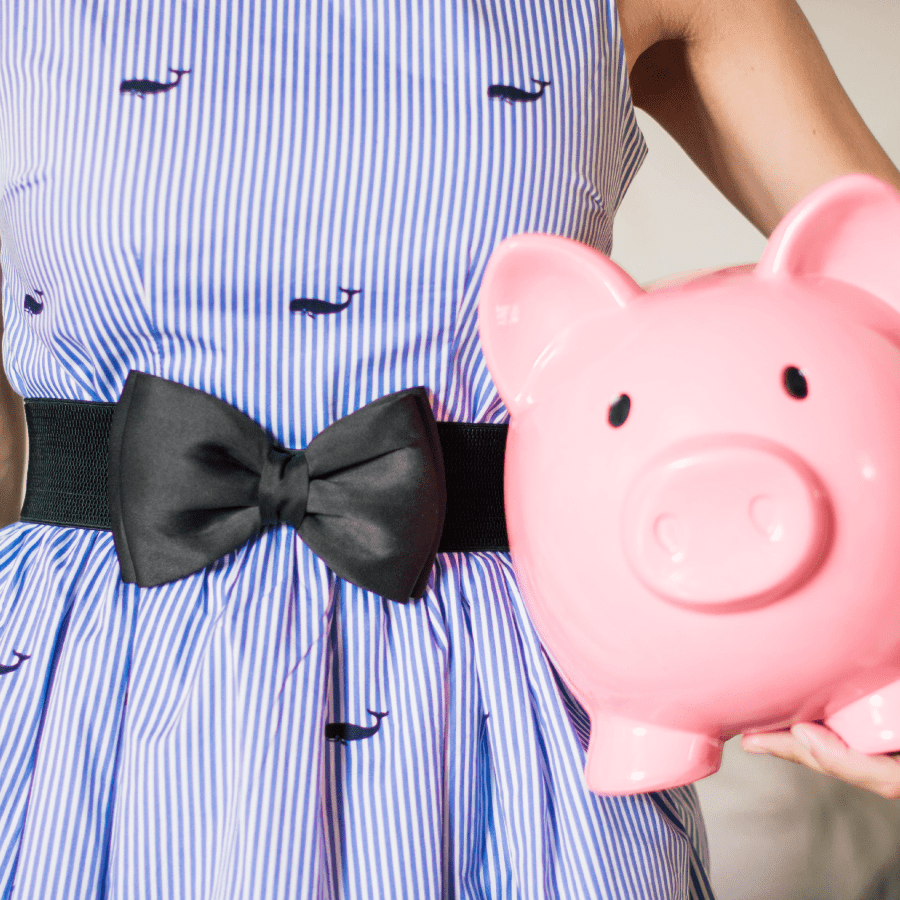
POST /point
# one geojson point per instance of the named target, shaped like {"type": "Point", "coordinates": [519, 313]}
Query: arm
{"type": "Point", "coordinates": [12, 449]}
{"type": "Point", "coordinates": [747, 91]}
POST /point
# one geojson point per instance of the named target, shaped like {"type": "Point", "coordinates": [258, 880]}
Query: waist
{"type": "Point", "coordinates": [68, 461]}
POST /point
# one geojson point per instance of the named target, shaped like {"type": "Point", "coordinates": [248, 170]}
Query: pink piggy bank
{"type": "Point", "coordinates": [703, 485]}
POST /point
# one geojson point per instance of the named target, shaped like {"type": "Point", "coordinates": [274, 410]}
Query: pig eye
{"type": "Point", "coordinates": [795, 382]}
{"type": "Point", "coordinates": [618, 411]}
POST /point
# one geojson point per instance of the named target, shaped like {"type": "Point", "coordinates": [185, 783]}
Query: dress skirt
{"type": "Point", "coordinates": [289, 206]}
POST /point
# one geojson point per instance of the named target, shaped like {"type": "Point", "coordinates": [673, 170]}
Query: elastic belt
{"type": "Point", "coordinates": [68, 459]}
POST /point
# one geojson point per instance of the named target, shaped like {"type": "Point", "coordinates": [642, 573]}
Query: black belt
{"type": "Point", "coordinates": [68, 461]}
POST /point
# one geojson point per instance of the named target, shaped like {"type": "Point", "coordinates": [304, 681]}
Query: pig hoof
{"type": "Point", "coordinates": [626, 756]}
{"type": "Point", "coordinates": [870, 724]}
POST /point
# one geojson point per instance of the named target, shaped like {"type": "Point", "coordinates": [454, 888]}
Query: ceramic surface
{"type": "Point", "coordinates": [703, 485]}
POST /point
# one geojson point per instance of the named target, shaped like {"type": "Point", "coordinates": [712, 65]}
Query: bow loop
{"type": "Point", "coordinates": [192, 479]}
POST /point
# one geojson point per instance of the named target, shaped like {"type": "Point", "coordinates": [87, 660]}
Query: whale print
{"type": "Point", "coordinates": [313, 307]}
{"type": "Point", "coordinates": [6, 670]}
{"type": "Point", "coordinates": [140, 87]}
{"type": "Point", "coordinates": [33, 305]}
{"type": "Point", "coordinates": [510, 94]}
{"type": "Point", "coordinates": [341, 732]}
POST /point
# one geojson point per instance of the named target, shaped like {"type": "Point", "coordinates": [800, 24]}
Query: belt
{"type": "Point", "coordinates": [68, 480]}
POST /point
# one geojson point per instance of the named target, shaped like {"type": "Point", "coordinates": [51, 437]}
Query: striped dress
{"type": "Point", "coordinates": [289, 205]}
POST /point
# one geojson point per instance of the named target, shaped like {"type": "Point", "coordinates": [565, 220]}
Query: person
{"type": "Point", "coordinates": [289, 207]}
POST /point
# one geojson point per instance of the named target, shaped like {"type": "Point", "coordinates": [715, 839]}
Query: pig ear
{"type": "Point", "coordinates": [536, 286]}
{"type": "Point", "coordinates": [849, 230]}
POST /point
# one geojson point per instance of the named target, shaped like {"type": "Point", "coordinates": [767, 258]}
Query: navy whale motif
{"type": "Point", "coordinates": [6, 670]}
{"type": "Point", "coordinates": [143, 86]}
{"type": "Point", "coordinates": [341, 732]}
{"type": "Point", "coordinates": [33, 305]}
{"type": "Point", "coordinates": [313, 307]}
{"type": "Point", "coordinates": [510, 94]}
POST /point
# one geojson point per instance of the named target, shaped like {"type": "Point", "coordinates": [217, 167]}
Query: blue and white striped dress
{"type": "Point", "coordinates": [177, 178]}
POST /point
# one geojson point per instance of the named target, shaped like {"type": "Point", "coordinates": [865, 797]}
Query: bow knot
{"type": "Point", "coordinates": [283, 487]}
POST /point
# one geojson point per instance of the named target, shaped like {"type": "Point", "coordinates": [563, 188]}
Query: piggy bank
{"type": "Point", "coordinates": [702, 485]}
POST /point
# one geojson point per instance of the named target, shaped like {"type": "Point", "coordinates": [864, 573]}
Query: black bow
{"type": "Point", "coordinates": [192, 478]}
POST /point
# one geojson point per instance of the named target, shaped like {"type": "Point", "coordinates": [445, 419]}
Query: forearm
{"type": "Point", "coordinates": [12, 451]}
{"type": "Point", "coordinates": [751, 97]}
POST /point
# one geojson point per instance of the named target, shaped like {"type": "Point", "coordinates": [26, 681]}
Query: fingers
{"type": "Point", "coordinates": [783, 744]}
{"type": "Point", "coordinates": [820, 749]}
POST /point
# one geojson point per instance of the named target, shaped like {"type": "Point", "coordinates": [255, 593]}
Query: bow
{"type": "Point", "coordinates": [192, 479]}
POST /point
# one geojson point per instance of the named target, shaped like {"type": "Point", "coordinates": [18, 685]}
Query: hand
{"type": "Point", "coordinates": [821, 750]}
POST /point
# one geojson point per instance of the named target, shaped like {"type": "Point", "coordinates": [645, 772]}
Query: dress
{"type": "Point", "coordinates": [180, 179]}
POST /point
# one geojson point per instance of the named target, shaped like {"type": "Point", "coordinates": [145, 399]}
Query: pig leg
{"type": "Point", "coordinates": [871, 724]}
{"type": "Point", "coordinates": [626, 756]}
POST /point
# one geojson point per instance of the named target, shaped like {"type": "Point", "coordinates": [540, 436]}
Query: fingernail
{"type": "Point", "coordinates": [802, 735]}
{"type": "Point", "coordinates": [752, 744]}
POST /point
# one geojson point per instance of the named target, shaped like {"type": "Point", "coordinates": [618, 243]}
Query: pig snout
{"type": "Point", "coordinates": [726, 521]}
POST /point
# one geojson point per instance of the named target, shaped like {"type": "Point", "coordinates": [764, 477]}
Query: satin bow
{"type": "Point", "coordinates": [192, 479]}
